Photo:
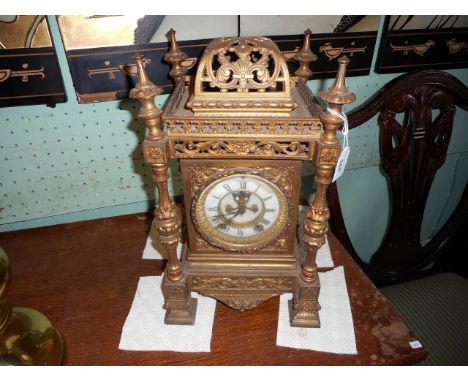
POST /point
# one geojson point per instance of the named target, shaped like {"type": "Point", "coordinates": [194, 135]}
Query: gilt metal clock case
{"type": "Point", "coordinates": [241, 128]}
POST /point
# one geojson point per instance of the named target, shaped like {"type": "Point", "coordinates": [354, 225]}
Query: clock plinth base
{"type": "Point", "coordinates": [240, 289]}
{"type": "Point", "coordinates": [181, 308]}
{"type": "Point", "coordinates": [304, 307]}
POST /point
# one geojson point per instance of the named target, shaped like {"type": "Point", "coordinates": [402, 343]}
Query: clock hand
{"type": "Point", "coordinates": [242, 198]}
{"type": "Point", "coordinates": [230, 219]}
{"type": "Point", "coordinates": [233, 211]}
{"type": "Point", "coordinates": [254, 208]}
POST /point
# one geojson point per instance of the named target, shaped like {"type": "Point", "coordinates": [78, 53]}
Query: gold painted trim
{"type": "Point", "coordinates": [34, 95]}
{"type": "Point", "coordinates": [425, 64]}
{"type": "Point", "coordinates": [27, 54]}
{"type": "Point", "coordinates": [97, 97]}
{"type": "Point", "coordinates": [391, 33]}
{"type": "Point", "coordinates": [315, 38]}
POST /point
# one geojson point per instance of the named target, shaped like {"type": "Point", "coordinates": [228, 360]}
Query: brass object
{"type": "Point", "coordinates": [241, 128]}
{"type": "Point", "coordinates": [27, 337]}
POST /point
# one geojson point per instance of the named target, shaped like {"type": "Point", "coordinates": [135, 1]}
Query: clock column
{"type": "Point", "coordinates": [180, 307]}
{"type": "Point", "coordinates": [304, 307]}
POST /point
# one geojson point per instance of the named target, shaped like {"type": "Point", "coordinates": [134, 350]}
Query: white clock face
{"type": "Point", "coordinates": [241, 211]}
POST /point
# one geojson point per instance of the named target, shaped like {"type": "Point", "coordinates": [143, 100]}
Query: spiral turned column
{"type": "Point", "coordinates": [180, 307]}
{"type": "Point", "coordinates": [328, 151]}
{"type": "Point", "coordinates": [304, 307]}
{"type": "Point", "coordinates": [156, 155]}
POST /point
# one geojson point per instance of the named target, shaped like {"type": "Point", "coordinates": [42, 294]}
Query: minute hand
{"type": "Point", "coordinates": [233, 211]}
{"type": "Point", "coordinates": [230, 219]}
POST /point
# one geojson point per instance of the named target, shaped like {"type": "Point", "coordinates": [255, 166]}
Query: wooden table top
{"type": "Point", "coordinates": [83, 277]}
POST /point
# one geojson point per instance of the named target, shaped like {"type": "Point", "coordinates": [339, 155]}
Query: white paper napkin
{"type": "Point", "coordinates": [336, 333]}
{"type": "Point", "coordinates": [144, 328]}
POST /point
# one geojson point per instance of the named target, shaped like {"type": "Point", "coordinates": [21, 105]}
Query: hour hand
{"type": "Point", "coordinates": [253, 208]}
{"type": "Point", "coordinates": [230, 208]}
{"type": "Point", "coordinates": [232, 217]}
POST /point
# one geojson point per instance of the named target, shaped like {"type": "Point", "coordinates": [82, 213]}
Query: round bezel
{"type": "Point", "coordinates": [219, 239]}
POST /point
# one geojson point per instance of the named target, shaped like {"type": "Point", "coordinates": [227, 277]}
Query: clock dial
{"type": "Point", "coordinates": [241, 212]}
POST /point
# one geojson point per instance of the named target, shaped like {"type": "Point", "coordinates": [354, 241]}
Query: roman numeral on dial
{"type": "Point", "coordinates": [243, 183]}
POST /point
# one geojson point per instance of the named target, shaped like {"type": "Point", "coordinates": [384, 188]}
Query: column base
{"type": "Point", "coordinates": [303, 318]}
{"type": "Point", "coordinates": [185, 316]}
{"type": "Point", "coordinates": [304, 307]}
{"type": "Point", "coordinates": [181, 308]}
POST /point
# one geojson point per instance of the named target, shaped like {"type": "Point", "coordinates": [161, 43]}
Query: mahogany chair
{"type": "Point", "coordinates": [435, 305]}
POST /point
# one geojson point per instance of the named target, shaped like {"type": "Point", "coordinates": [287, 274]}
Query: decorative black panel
{"type": "Point", "coordinates": [404, 50]}
{"type": "Point", "coordinates": [101, 74]}
{"type": "Point", "coordinates": [29, 70]}
{"type": "Point", "coordinates": [328, 47]}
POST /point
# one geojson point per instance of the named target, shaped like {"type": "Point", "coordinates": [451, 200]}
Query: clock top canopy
{"type": "Point", "coordinates": [243, 76]}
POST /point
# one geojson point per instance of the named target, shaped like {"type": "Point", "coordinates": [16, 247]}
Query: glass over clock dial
{"type": "Point", "coordinates": [241, 212]}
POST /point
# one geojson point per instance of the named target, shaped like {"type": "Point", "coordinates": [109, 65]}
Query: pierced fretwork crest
{"type": "Point", "coordinates": [242, 75]}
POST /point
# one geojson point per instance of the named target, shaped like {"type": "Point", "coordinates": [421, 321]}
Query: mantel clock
{"type": "Point", "coordinates": [241, 128]}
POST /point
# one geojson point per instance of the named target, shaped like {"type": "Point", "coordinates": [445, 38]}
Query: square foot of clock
{"type": "Point", "coordinates": [181, 308]}
{"type": "Point", "coordinates": [304, 307]}
{"type": "Point", "coordinates": [302, 319]}
{"type": "Point", "coordinates": [184, 316]}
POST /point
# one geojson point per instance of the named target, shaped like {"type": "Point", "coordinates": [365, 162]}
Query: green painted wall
{"type": "Point", "coordinates": [78, 162]}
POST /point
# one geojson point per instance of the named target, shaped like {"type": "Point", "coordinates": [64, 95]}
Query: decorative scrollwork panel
{"type": "Point", "coordinates": [247, 148]}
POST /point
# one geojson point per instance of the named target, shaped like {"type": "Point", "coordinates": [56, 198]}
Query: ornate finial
{"type": "Point", "coordinates": [339, 94]}
{"type": "Point", "coordinates": [175, 57]}
{"type": "Point", "coordinates": [144, 87]}
{"type": "Point", "coordinates": [304, 57]}
{"type": "Point", "coordinates": [145, 91]}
